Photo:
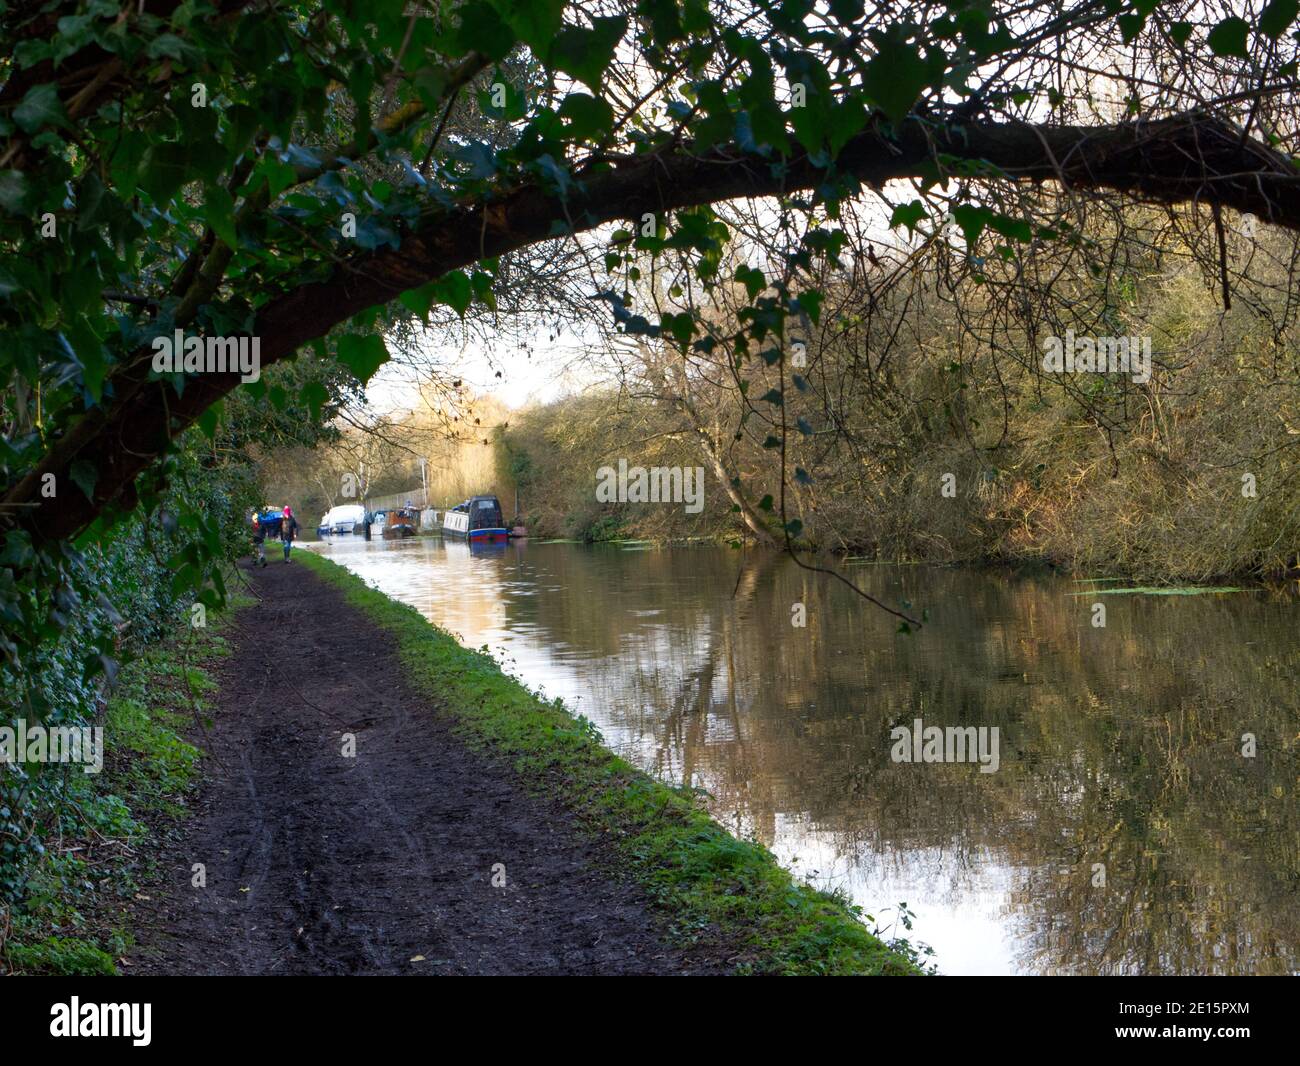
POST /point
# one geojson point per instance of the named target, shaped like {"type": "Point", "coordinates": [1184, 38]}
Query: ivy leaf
{"type": "Point", "coordinates": [209, 420]}
{"type": "Point", "coordinates": [585, 53]}
{"type": "Point", "coordinates": [972, 221]}
{"type": "Point", "coordinates": [314, 395]}
{"type": "Point", "coordinates": [1277, 16]}
{"type": "Point", "coordinates": [17, 549]}
{"type": "Point", "coordinates": [1228, 38]}
{"type": "Point", "coordinates": [13, 190]}
{"type": "Point", "coordinates": [362, 354]}
{"type": "Point", "coordinates": [535, 21]}
{"type": "Point", "coordinates": [419, 300]}
{"type": "Point", "coordinates": [221, 215]}
{"type": "Point", "coordinates": [589, 117]}
{"type": "Point", "coordinates": [896, 76]}
{"type": "Point", "coordinates": [279, 174]}
{"type": "Point", "coordinates": [846, 121]}
{"type": "Point", "coordinates": [168, 44]}
{"type": "Point", "coordinates": [481, 158]}
{"type": "Point", "coordinates": [752, 278]}
{"type": "Point", "coordinates": [1130, 26]}
{"type": "Point", "coordinates": [455, 290]}
{"type": "Point", "coordinates": [84, 475]}
{"type": "Point", "coordinates": [94, 202]}
{"type": "Point", "coordinates": [810, 302]}
{"type": "Point", "coordinates": [40, 107]}
{"type": "Point", "coordinates": [682, 327]}
{"type": "Point", "coordinates": [909, 215]}
{"type": "Point", "coordinates": [482, 30]}
{"type": "Point", "coordinates": [166, 168]}
{"type": "Point", "coordinates": [1015, 229]}
{"type": "Point", "coordinates": [90, 356]}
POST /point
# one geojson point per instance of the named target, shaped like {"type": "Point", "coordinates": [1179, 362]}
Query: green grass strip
{"type": "Point", "coordinates": [1193, 590]}
{"type": "Point", "coordinates": [716, 891]}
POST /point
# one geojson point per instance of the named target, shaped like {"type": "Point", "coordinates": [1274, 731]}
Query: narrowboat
{"type": "Point", "coordinates": [478, 520]}
{"type": "Point", "coordinates": [400, 523]}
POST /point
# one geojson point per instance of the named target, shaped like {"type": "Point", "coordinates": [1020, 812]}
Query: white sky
{"type": "Point", "coordinates": [547, 372]}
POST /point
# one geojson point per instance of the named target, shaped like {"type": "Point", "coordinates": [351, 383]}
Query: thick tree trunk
{"type": "Point", "coordinates": [1171, 161]}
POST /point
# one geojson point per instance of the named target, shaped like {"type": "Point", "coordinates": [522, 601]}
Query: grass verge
{"type": "Point", "coordinates": [715, 891]}
{"type": "Point", "coordinates": [100, 847]}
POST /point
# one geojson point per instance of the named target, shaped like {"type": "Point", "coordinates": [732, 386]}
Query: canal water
{"type": "Point", "coordinates": [1127, 828]}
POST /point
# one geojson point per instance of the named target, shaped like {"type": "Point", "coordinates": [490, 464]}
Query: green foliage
{"type": "Point", "coordinates": [106, 825]}
{"type": "Point", "coordinates": [62, 956]}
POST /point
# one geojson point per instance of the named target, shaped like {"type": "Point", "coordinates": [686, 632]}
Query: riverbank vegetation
{"type": "Point", "coordinates": [95, 837]}
{"type": "Point", "coordinates": [928, 429]}
{"type": "Point", "coordinates": [711, 888]}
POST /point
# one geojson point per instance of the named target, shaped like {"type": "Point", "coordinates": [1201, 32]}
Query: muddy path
{"type": "Point", "coordinates": [321, 864]}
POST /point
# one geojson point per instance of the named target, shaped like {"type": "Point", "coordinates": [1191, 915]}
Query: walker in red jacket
{"type": "Point", "coordinates": [288, 528]}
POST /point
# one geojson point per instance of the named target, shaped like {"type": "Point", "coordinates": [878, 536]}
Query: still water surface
{"type": "Point", "coordinates": [1120, 747]}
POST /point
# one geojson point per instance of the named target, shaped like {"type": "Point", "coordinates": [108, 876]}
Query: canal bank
{"type": "Point", "coordinates": [1116, 740]}
{"type": "Point", "coordinates": [383, 800]}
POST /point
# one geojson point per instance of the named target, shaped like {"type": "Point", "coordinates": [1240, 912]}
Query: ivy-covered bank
{"type": "Point", "coordinates": [98, 840]}
{"type": "Point", "coordinates": [711, 886]}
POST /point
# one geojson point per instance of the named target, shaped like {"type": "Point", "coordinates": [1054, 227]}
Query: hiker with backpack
{"type": "Point", "coordinates": [259, 541]}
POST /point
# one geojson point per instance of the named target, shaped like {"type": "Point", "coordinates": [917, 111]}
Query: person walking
{"type": "Point", "coordinates": [288, 528]}
{"type": "Point", "coordinates": [259, 541]}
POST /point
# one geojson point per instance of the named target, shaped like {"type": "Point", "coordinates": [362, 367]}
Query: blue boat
{"type": "Point", "coordinates": [478, 520]}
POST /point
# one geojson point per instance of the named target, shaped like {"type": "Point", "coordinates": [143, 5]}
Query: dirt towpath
{"type": "Point", "coordinates": [321, 864]}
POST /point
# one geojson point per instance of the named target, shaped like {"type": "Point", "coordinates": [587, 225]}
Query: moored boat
{"type": "Point", "coordinates": [347, 518]}
{"type": "Point", "coordinates": [400, 523]}
{"type": "Point", "coordinates": [478, 520]}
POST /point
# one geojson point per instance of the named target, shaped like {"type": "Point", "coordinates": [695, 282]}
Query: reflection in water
{"type": "Point", "coordinates": [1119, 746]}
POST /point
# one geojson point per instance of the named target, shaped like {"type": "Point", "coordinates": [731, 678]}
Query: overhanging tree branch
{"type": "Point", "coordinates": [1191, 159]}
